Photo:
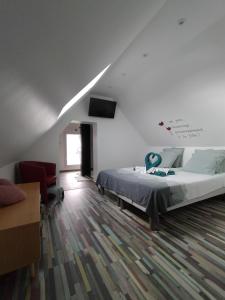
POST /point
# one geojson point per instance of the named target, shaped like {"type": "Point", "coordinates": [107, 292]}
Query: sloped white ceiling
{"type": "Point", "coordinates": [49, 51]}
{"type": "Point", "coordinates": [175, 75]}
{"type": "Point", "coordinates": [160, 71]}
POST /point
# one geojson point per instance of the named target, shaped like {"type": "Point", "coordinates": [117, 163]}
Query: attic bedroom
{"type": "Point", "coordinates": [112, 157]}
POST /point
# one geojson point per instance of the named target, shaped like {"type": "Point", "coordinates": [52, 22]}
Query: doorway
{"type": "Point", "coordinates": [73, 150]}
{"type": "Point", "coordinates": [70, 148]}
{"type": "Point", "coordinates": [76, 148]}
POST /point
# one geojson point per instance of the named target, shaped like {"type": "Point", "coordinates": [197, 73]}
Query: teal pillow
{"type": "Point", "coordinates": [205, 161]}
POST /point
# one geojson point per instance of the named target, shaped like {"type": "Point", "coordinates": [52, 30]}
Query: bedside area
{"type": "Point", "coordinates": [20, 231]}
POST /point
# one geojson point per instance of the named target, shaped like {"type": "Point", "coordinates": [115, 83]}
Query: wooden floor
{"type": "Point", "coordinates": [72, 180]}
{"type": "Point", "coordinates": [92, 250]}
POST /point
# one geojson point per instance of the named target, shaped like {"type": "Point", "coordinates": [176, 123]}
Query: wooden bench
{"type": "Point", "coordinates": [20, 231]}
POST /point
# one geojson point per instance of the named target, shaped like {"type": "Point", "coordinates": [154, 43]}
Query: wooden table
{"type": "Point", "coordinates": [20, 231]}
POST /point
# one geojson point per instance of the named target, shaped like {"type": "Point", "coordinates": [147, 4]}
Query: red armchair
{"type": "Point", "coordinates": [35, 171]}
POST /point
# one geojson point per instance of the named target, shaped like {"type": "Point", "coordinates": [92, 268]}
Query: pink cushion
{"type": "Point", "coordinates": [10, 194]}
{"type": "Point", "coordinates": [4, 181]}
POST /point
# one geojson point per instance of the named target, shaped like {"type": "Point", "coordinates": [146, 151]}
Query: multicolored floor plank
{"type": "Point", "coordinates": [92, 250]}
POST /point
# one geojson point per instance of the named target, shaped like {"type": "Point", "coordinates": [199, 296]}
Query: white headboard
{"type": "Point", "coordinates": [188, 151]}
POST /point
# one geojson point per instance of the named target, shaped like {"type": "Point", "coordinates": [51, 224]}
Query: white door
{"type": "Point", "coordinates": [73, 151]}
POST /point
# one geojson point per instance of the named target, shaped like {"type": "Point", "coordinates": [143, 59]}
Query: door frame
{"type": "Point", "coordinates": [62, 147]}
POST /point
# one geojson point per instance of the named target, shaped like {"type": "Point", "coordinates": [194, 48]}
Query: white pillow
{"type": "Point", "coordinates": [179, 152]}
{"type": "Point", "coordinates": [168, 159]}
{"type": "Point", "coordinates": [205, 161]}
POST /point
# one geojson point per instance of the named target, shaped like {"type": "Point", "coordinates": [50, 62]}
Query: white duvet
{"type": "Point", "coordinates": [193, 185]}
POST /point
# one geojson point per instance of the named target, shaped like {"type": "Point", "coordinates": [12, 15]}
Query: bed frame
{"type": "Point", "coordinates": [123, 200]}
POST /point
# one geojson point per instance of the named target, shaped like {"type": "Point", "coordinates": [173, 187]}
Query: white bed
{"type": "Point", "coordinates": [197, 187]}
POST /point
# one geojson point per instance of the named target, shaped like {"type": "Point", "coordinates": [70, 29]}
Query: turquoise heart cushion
{"type": "Point", "coordinates": [152, 160]}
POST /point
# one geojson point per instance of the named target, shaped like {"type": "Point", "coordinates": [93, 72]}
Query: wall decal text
{"type": "Point", "coordinates": [181, 129]}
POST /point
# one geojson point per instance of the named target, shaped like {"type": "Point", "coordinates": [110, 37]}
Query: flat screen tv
{"type": "Point", "coordinates": [101, 108]}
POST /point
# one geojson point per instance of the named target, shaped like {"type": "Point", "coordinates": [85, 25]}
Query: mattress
{"type": "Point", "coordinates": [186, 187]}
{"type": "Point", "coordinates": [194, 185]}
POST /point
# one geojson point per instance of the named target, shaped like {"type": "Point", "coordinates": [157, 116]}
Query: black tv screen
{"type": "Point", "coordinates": [102, 108]}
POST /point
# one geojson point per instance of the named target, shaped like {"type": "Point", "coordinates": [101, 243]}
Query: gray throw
{"type": "Point", "coordinates": [146, 190]}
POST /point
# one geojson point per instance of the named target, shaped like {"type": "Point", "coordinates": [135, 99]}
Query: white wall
{"type": "Point", "coordinates": [116, 143]}
{"type": "Point", "coordinates": [180, 81]}
{"type": "Point", "coordinates": [44, 64]}
{"type": "Point", "coordinates": [8, 171]}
